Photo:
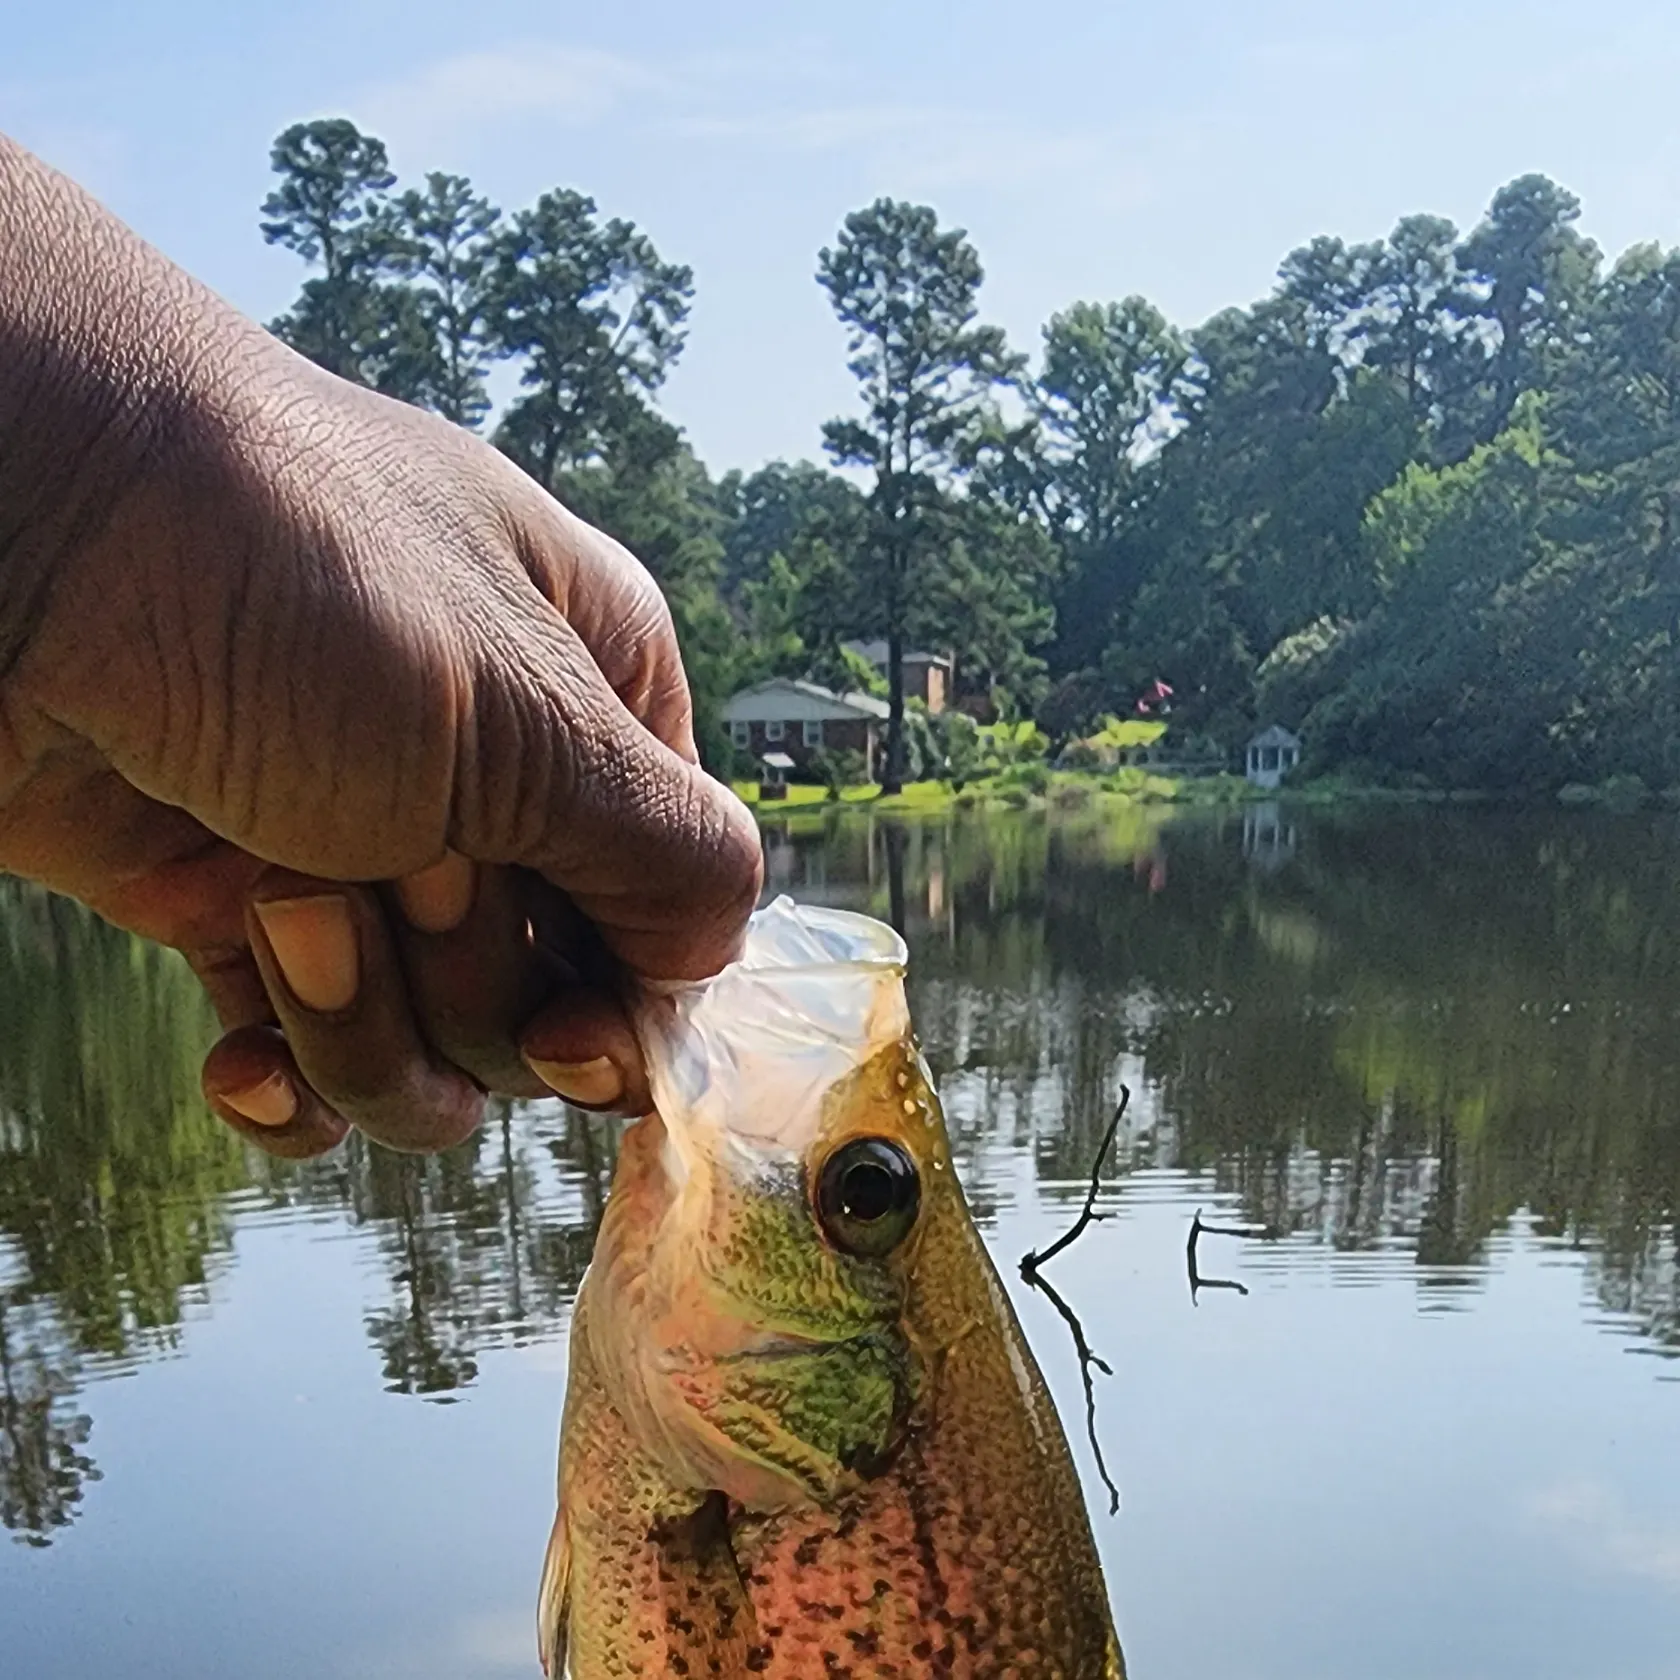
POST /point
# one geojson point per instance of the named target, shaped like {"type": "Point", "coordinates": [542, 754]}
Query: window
{"type": "Point", "coordinates": [740, 733]}
{"type": "Point", "coordinates": [813, 732]}
{"type": "Point", "coordinates": [775, 730]}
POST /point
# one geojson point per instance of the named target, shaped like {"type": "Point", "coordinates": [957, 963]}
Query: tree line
{"type": "Point", "coordinates": [1417, 503]}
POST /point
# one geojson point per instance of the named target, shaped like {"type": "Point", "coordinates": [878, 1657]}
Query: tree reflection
{"type": "Point", "coordinates": [42, 1465]}
{"type": "Point", "coordinates": [1417, 1026]}
{"type": "Point", "coordinates": [1414, 1027]}
{"type": "Point", "coordinates": [112, 1176]}
{"type": "Point", "coordinates": [117, 1186]}
{"type": "Point", "coordinates": [475, 1252]}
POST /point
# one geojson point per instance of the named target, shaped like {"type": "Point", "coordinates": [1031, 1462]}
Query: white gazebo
{"type": "Point", "coordinates": [1272, 754]}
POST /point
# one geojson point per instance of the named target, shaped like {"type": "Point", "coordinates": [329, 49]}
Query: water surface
{"type": "Point", "coordinates": [265, 1421]}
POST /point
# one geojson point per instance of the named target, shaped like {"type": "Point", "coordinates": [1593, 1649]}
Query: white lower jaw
{"type": "Point", "coordinates": [751, 1054]}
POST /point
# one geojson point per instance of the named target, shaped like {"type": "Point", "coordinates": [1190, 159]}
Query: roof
{"type": "Point", "coordinates": [788, 700]}
{"type": "Point", "coordinates": [1275, 736]}
{"type": "Point", "coordinates": [876, 653]}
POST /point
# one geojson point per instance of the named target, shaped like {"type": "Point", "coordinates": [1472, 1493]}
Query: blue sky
{"type": "Point", "coordinates": [1092, 149]}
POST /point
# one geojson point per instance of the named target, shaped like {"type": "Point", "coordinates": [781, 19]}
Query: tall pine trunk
{"type": "Point", "coordinates": [892, 777]}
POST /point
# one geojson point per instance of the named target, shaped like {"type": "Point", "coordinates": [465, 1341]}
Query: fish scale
{"type": "Point", "coordinates": [641, 1576]}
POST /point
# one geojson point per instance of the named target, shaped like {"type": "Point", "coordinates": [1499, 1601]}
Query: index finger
{"type": "Point", "coordinates": [617, 609]}
{"type": "Point", "coordinates": [558, 772]}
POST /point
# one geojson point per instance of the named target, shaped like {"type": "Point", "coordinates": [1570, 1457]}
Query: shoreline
{"type": "Point", "coordinates": [1037, 788]}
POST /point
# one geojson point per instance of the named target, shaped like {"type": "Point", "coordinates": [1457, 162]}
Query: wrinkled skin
{"type": "Point", "coordinates": [780, 1460]}
{"type": "Point", "coordinates": [267, 636]}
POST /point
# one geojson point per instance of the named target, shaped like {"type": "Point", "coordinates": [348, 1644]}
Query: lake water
{"type": "Point", "coordinates": [260, 1421]}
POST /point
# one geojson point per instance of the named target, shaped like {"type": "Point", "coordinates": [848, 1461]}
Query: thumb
{"type": "Point", "coordinates": [556, 774]}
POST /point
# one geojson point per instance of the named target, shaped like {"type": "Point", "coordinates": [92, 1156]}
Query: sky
{"type": "Point", "coordinates": [1091, 148]}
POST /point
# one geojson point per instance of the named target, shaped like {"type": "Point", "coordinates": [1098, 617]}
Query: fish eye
{"type": "Point", "coordinates": [868, 1194]}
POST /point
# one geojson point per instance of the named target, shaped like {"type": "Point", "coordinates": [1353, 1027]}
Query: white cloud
{"type": "Point", "coordinates": [930, 146]}
{"type": "Point", "coordinates": [563, 85]}
{"type": "Point", "coordinates": [728, 100]}
{"type": "Point", "coordinates": [1600, 1527]}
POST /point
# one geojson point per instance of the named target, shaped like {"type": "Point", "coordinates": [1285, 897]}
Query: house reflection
{"type": "Point", "coordinates": [1268, 837]}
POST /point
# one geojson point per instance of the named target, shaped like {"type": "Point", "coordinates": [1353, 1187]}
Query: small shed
{"type": "Point", "coordinates": [773, 783]}
{"type": "Point", "coordinates": [1271, 755]}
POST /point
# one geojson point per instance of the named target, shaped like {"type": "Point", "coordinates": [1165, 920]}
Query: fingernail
{"type": "Point", "coordinates": [593, 1084]}
{"type": "Point", "coordinates": [271, 1103]}
{"type": "Point", "coordinates": [438, 898]}
{"type": "Point", "coordinates": [314, 942]}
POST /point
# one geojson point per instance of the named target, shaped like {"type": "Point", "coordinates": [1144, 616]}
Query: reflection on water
{"type": "Point", "coordinates": [1395, 1043]}
{"type": "Point", "coordinates": [119, 1191]}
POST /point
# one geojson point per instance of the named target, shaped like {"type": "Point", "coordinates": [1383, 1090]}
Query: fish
{"type": "Point", "coordinates": [804, 1435]}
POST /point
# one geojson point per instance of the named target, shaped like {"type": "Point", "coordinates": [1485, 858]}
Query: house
{"type": "Point", "coordinates": [1271, 755]}
{"type": "Point", "coordinates": [927, 676]}
{"type": "Point", "coordinates": [798, 719]}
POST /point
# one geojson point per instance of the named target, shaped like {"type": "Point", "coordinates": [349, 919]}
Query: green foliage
{"type": "Point", "coordinates": [1006, 746]}
{"type": "Point", "coordinates": [332, 208]}
{"type": "Point", "coordinates": [785, 509]}
{"type": "Point", "coordinates": [961, 748]}
{"type": "Point", "coordinates": [595, 316]}
{"type": "Point", "coordinates": [1531, 275]}
{"type": "Point", "coordinates": [1421, 502]}
{"type": "Point", "coordinates": [858, 676]}
{"type": "Point", "coordinates": [442, 245]}
{"type": "Point", "coordinates": [1121, 733]}
{"type": "Point", "coordinates": [1106, 399]}
{"type": "Point", "coordinates": [906, 292]}
{"type": "Point", "coordinates": [1029, 776]}
{"type": "Point", "coordinates": [839, 767]}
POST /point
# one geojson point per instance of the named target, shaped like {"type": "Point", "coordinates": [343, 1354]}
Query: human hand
{"type": "Point", "coordinates": [327, 694]}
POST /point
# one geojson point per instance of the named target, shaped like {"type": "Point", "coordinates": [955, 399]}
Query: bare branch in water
{"type": "Point", "coordinates": [1086, 1360]}
{"type": "Point", "coordinates": [1030, 1262]}
{"type": "Point", "coordinates": [1197, 1231]}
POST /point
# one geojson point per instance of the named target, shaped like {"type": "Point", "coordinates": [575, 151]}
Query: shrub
{"type": "Point", "coordinates": [1080, 755]}
{"type": "Point", "coordinates": [1029, 778]}
{"type": "Point", "coordinates": [958, 738]}
{"type": "Point", "coordinates": [838, 767]}
{"type": "Point", "coordinates": [1007, 744]}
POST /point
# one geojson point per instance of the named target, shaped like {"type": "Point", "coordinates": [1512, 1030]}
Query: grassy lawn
{"type": "Point", "coordinates": [917, 796]}
{"type": "Point", "coordinates": [1035, 788]}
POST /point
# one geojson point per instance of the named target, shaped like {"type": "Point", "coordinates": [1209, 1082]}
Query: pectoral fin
{"type": "Point", "coordinates": [640, 1581]}
{"type": "Point", "coordinates": [554, 1599]}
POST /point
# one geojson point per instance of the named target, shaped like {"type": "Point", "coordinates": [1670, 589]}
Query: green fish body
{"type": "Point", "coordinates": [804, 1435]}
